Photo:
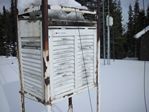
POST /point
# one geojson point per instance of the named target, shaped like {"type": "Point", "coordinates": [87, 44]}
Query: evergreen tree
{"type": "Point", "coordinates": [116, 36]}
{"type": "Point", "coordinates": [91, 4]}
{"type": "Point", "coordinates": [141, 20]}
{"type": "Point", "coordinates": [147, 18]}
{"type": "Point", "coordinates": [4, 37]}
{"type": "Point", "coordinates": [136, 22]}
{"type": "Point", "coordinates": [130, 33]}
{"type": "Point", "coordinates": [2, 48]}
{"type": "Point", "coordinates": [136, 17]}
{"type": "Point", "coordinates": [6, 33]}
{"type": "Point", "coordinates": [13, 27]}
{"type": "Point", "coordinates": [117, 40]}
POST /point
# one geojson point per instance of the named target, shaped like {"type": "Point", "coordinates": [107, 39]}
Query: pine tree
{"type": "Point", "coordinates": [136, 17]}
{"type": "Point", "coordinates": [4, 37]}
{"type": "Point", "coordinates": [6, 33]}
{"type": "Point", "coordinates": [147, 18]}
{"type": "Point", "coordinates": [91, 4]}
{"type": "Point", "coordinates": [130, 33]}
{"type": "Point", "coordinates": [13, 23]}
{"type": "Point", "coordinates": [2, 48]}
{"type": "Point", "coordinates": [141, 20]}
{"type": "Point", "coordinates": [117, 40]}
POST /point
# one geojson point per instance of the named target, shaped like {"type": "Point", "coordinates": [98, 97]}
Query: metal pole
{"type": "Point", "coordinates": [104, 41]}
{"type": "Point", "coordinates": [70, 105]}
{"type": "Point", "coordinates": [21, 83]}
{"type": "Point", "coordinates": [45, 43]}
{"type": "Point", "coordinates": [15, 2]}
{"type": "Point", "coordinates": [113, 47]}
{"type": "Point", "coordinates": [98, 57]}
{"type": "Point", "coordinates": [108, 35]}
{"type": "Point", "coordinates": [45, 24]}
{"type": "Point", "coordinates": [145, 98]}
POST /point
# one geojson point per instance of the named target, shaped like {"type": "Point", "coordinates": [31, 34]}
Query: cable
{"type": "Point", "coordinates": [85, 68]}
{"type": "Point", "coordinates": [145, 97]}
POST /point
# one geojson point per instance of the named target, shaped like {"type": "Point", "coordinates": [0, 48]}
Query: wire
{"type": "Point", "coordinates": [89, 94]}
{"type": "Point", "coordinates": [145, 97]}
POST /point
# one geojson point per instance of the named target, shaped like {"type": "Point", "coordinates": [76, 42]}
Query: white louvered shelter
{"type": "Point", "coordinates": [72, 59]}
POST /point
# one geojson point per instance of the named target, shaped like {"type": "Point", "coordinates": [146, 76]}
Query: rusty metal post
{"type": "Point", "coordinates": [70, 109]}
{"type": "Point", "coordinates": [45, 43]}
{"type": "Point", "coordinates": [98, 55]}
{"type": "Point", "coordinates": [45, 24]}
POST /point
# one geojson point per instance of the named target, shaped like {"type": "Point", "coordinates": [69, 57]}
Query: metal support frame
{"type": "Point", "coordinates": [21, 83]}
{"type": "Point", "coordinates": [45, 43]}
{"type": "Point", "coordinates": [108, 35]}
{"type": "Point", "coordinates": [22, 93]}
{"type": "Point", "coordinates": [108, 43]}
{"type": "Point", "coordinates": [104, 40]}
{"type": "Point", "coordinates": [45, 24]}
{"type": "Point", "coordinates": [98, 56]}
{"type": "Point", "coordinates": [70, 105]}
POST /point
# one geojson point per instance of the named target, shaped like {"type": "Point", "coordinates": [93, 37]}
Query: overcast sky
{"type": "Point", "coordinates": [125, 5]}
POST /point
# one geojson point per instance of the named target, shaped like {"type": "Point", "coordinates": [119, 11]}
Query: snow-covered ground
{"type": "Point", "coordinates": [122, 86]}
{"type": "Point", "coordinates": [122, 89]}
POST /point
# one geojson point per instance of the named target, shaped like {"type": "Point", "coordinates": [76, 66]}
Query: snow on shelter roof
{"type": "Point", "coordinates": [139, 34]}
{"type": "Point", "coordinates": [59, 14]}
{"type": "Point", "coordinates": [23, 5]}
